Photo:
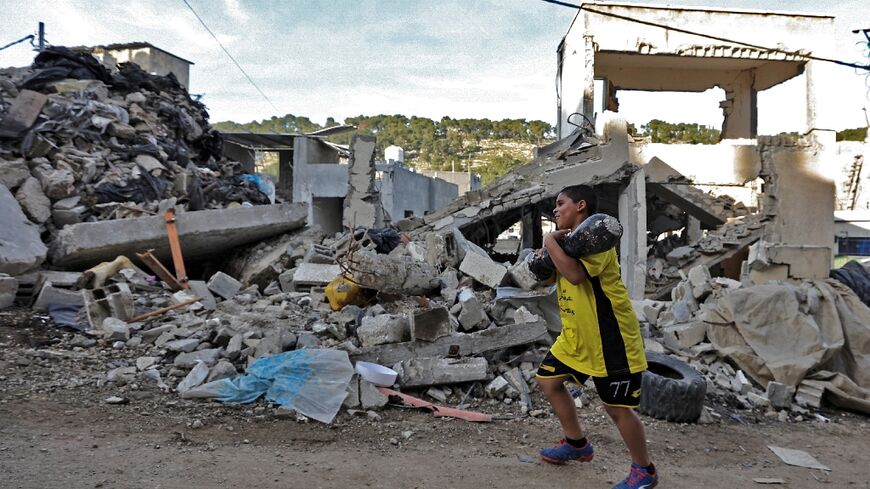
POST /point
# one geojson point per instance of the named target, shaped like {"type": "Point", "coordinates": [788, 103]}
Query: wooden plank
{"type": "Point", "coordinates": [22, 113]}
{"type": "Point", "coordinates": [455, 345]}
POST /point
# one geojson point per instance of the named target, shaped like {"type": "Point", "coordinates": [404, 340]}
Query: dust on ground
{"type": "Point", "coordinates": [57, 431]}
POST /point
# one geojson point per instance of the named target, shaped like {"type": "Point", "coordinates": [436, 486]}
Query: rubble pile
{"type": "Point", "coordinates": [81, 144]}
{"type": "Point", "coordinates": [731, 332]}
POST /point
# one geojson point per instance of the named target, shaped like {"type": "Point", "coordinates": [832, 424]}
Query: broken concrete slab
{"type": "Point", "coordinates": [391, 274]}
{"type": "Point", "coordinates": [200, 289]}
{"type": "Point", "coordinates": [421, 372]}
{"type": "Point", "coordinates": [202, 234]}
{"type": "Point", "coordinates": [21, 247]}
{"type": "Point", "coordinates": [13, 173]}
{"type": "Point", "coordinates": [383, 329]}
{"type": "Point", "coordinates": [309, 275]}
{"type": "Point", "coordinates": [22, 113]}
{"type": "Point", "coordinates": [685, 335]}
{"type": "Point", "coordinates": [693, 201]}
{"type": "Point", "coordinates": [459, 344]}
{"type": "Point", "coordinates": [49, 294]}
{"type": "Point", "coordinates": [208, 356]}
{"type": "Point", "coordinates": [483, 269]}
{"type": "Point", "coordinates": [34, 203]}
{"type": "Point", "coordinates": [430, 324]}
{"type": "Point", "coordinates": [370, 397]}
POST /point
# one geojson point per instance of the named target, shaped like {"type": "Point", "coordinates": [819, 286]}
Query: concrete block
{"type": "Point", "coordinates": [771, 273]}
{"type": "Point", "coordinates": [19, 238]}
{"type": "Point", "coordinates": [804, 262]}
{"type": "Point", "coordinates": [437, 394]}
{"type": "Point", "coordinates": [188, 360]}
{"type": "Point", "coordinates": [115, 329]}
{"type": "Point", "coordinates": [285, 280]}
{"type": "Point", "coordinates": [523, 316]}
{"type": "Point", "coordinates": [224, 285]}
{"type": "Point", "coordinates": [8, 290]}
{"type": "Point", "coordinates": [483, 269]}
{"type": "Point", "coordinates": [429, 325]}
{"type": "Point", "coordinates": [114, 300]}
{"type": "Point", "coordinates": [309, 275]}
{"type": "Point", "coordinates": [200, 288]}
{"type": "Point", "coordinates": [522, 276]}
{"type": "Point", "coordinates": [420, 372]}
{"type": "Point", "coordinates": [370, 397]}
{"type": "Point", "coordinates": [185, 345]}
{"type": "Point", "coordinates": [780, 395]}
{"type": "Point", "coordinates": [49, 294]}
{"type": "Point", "coordinates": [497, 387]}
{"type": "Point", "coordinates": [204, 234]}
{"type": "Point", "coordinates": [699, 278]}
{"type": "Point", "coordinates": [472, 313]}
{"type": "Point", "coordinates": [809, 393]}
{"type": "Point", "coordinates": [757, 400]}
{"type": "Point", "coordinates": [740, 384]}
{"type": "Point", "coordinates": [685, 335]}
{"type": "Point", "coordinates": [383, 329]}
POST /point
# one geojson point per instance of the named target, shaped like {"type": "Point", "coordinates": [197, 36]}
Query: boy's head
{"type": "Point", "coordinates": [574, 204]}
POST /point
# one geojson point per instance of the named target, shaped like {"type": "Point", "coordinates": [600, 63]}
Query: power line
{"type": "Point", "coordinates": [277, 111]}
{"type": "Point", "coordinates": [29, 37]}
{"type": "Point", "coordinates": [709, 36]}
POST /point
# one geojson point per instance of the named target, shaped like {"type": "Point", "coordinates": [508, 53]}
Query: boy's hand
{"type": "Point", "coordinates": [555, 235]}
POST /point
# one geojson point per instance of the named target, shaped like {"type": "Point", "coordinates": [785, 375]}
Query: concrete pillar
{"type": "Point", "coordinates": [588, 79]}
{"type": "Point", "coordinates": [285, 175]}
{"type": "Point", "coordinates": [362, 207]}
{"type": "Point", "coordinates": [740, 107]}
{"type": "Point", "coordinates": [533, 236]}
{"type": "Point", "coordinates": [693, 229]}
{"type": "Point", "coordinates": [632, 246]}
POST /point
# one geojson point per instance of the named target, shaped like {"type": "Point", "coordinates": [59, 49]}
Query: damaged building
{"type": "Point", "coordinates": [369, 262]}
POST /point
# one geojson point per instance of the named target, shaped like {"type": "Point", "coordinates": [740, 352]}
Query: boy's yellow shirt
{"type": "Point", "coordinates": [600, 332]}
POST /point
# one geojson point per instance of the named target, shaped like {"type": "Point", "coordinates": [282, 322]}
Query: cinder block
{"type": "Point", "coordinates": [309, 275]}
{"type": "Point", "coordinates": [114, 300]}
{"type": "Point", "coordinates": [429, 325]}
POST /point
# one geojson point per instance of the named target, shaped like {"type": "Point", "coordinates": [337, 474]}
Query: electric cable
{"type": "Point", "coordinates": [231, 56]}
{"type": "Point", "coordinates": [710, 36]}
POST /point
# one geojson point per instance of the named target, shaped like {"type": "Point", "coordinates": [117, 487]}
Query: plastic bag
{"type": "Point", "coordinates": [597, 233]}
{"type": "Point", "coordinates": [312, 382]}
{"type": "Point", "coordinates": [264, 184]}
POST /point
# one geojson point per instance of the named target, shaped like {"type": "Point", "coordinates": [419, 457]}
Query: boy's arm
{"type": "Point", "coordinates": [568, 267]}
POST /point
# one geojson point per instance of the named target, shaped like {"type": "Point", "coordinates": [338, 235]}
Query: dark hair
{"type": "Point", "coordinates": [582, 192]}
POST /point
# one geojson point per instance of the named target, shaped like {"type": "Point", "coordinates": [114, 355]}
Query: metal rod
{"type": "Point", "coordinates": [175, 247]}
{"type": "Point", "coordinates": [41, 36]}
{"type": "Point", "coordinates": [154, 264]}
{"type": "Point", "coordinates": [163, 310]}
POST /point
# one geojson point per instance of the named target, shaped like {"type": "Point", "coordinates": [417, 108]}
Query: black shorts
{"type": "Point", "coordinates": [615, 390]}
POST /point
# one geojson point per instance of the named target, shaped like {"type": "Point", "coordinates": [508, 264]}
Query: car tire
{"type": "Point", "coordinates": [671, 390]}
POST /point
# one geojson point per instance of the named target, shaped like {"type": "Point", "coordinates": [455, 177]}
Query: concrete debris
{"type": "Point", "coordinates": [483, 269]}
{"type": "Point", "coordinates": [390, 274]}
{"type": "Point", "coordinates": [420, 372]}
{"type": "Point", "coordinates": [22, 246]}
{"type": "Point", "coordinates": [383, 329]}
{"type": "Point", "coordinates": [8, 290]}
{"type": "Point", "coordinates": [431, 324]}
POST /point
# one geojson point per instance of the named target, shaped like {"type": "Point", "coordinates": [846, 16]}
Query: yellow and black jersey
{"type": "Point", "coordinates": [600, 332]}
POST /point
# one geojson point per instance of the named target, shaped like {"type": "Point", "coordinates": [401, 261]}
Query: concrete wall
{"type": "Point", "coordinates": [846, 153]}
{"type": "Point", "coordinates": [637, 56]}
{"type": "Point", "coordinates": [464, 180]}
{"type": "Point", "coordinates": [403, 190]}
{"type": "Point", "coordinates": [317, 173]}
{"type": "Point", "coordinates": [152, 60]}
{"type": "Point", "coordinates": [731, 163]}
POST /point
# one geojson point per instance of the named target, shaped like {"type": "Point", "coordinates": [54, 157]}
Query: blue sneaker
{"type": "Point", "coordinates": [639, 478]}
{"type": "Point", "coordinates": [564, 452]}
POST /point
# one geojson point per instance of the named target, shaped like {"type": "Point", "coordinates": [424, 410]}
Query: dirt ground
{"type": "Point", "coordinates": [57, 431]}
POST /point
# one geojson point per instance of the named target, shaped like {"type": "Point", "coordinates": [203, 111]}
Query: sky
{"type": "Point", "coordinates": [457, 58]}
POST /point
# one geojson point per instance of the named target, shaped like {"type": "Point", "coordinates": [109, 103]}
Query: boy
{"type": "Point", "coordinates": [600, 339]}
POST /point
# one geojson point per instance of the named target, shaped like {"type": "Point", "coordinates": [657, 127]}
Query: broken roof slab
{"type": "Point", "coordinates": [641, 46]}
